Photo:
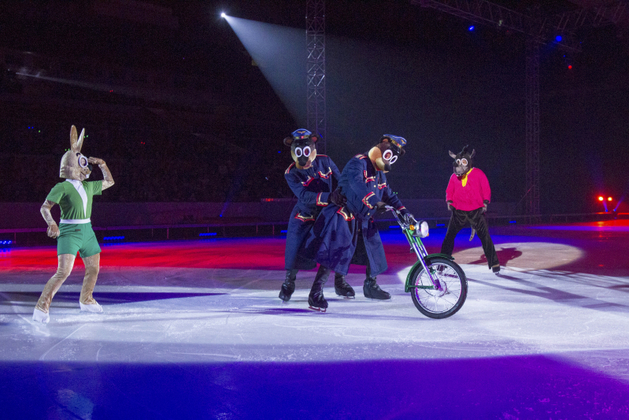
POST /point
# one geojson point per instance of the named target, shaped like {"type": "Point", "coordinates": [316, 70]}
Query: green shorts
{"type": "Point", "coordinates": [77, 238]}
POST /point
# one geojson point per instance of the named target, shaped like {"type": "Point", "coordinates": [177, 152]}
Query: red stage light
{"type": "Point", "coordinates": [609, 199]}
{"type": "Point", "coordinates": [600, 198]}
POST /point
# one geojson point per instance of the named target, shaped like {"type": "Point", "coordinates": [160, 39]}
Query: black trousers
{"type": "Point", "coordinates": [477, 220]}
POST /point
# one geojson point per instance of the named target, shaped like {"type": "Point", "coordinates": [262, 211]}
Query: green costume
{"type": "Point", "coordinates": [76, 233]}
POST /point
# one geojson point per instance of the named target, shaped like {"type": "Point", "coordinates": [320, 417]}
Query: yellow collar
{"type": "Point", "coordinates": [464, 177]}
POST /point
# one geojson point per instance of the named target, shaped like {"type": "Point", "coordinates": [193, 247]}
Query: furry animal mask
{"type": "Point", "coordinates": [302, 147]}
{"type": "Point", "coordinates": [386, 153]}
{"type": "Point", "coordinates": [462, 161]}
{"type": "Point", "coordinates": [74, 165]}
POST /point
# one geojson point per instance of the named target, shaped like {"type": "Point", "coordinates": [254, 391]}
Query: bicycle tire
{"type": "Point", "coordinates": [439, 304]}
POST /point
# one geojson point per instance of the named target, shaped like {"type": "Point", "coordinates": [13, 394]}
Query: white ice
{"type": "Point", "coordinates": [206, 315]}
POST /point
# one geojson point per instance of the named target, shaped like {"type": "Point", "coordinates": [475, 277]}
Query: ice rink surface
{"type": "Point", "coordinates": [194, 329]}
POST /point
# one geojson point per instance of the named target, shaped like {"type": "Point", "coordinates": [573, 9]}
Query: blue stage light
{"type": "Point", "coordinates": [558, 38]}
{"type": "Point", "coordinates": [223, 15]}
{"type": "Point", "coordinates": [471, 28]}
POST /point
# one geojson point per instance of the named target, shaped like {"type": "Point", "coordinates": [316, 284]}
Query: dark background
{"type": "Point", "coordinates": [171, 100]}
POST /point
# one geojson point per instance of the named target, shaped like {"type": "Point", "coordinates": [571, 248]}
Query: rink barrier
{"type": "Point", "coordinates": [234, 228]}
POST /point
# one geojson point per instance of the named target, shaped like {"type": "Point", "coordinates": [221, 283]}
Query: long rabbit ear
{"type": "Point", "coordinates": [73, 137]}
{"type": "Point", "coordinates": [473, 153]}
{"type": "Point", "coordinates": [76, 144]}
{"type": "Point", "coordinates": [79, 142]}
{"type": "Point", "coordinates": [452, 155]}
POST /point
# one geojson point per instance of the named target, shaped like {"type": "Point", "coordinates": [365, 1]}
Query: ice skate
{"type": "Point", "coordinates": [373, 291]}
{"type": "Point", "coordinates": [496, 269]}
{"type": "Point", "coordinates": [342, 288]}
{"type": "Point", "coordinates": [316, 300]}
{"type": "Point", "coordinates": [288, 287]}
{"type": "Point", "coordinates": [41, 316]}
{"type": "Point", "coordinates": [94, 307]}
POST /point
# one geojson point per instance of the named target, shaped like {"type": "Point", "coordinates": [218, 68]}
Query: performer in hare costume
{"type": "Point", "coordinates": [467, 196]}
{"type": "Point", "coordinates": [74, 233]}
{"type": "Point", "coordinates": [346, 233]}
{"type": "Point", "coordinates": [312, 178]}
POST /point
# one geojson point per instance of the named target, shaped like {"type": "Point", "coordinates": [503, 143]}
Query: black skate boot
{"type": "Point", "coordinates": [342, 288]}
{"type": "Point", "coordinates": [373, 291]}
{"type": "Point", "coordinates": [315, 298]}
{"type": "Point", "coordinates": [288, 287]}
{"type": "Point", "coordinates": [496, 269]}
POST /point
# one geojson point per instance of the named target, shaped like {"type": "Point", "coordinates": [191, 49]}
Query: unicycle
{"type": "Point", "coordinates": [436, 283]}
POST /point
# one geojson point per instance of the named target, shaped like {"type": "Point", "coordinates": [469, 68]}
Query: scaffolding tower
{"type": "Point", "coordinates": [315, 37]}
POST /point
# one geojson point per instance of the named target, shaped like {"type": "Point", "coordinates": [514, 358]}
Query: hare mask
{"type": "Point", "coordinates": [74, 165]}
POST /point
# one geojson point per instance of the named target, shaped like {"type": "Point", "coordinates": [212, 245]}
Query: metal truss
{"type": "Point", "coordinates": [596, 16]}
{"type": "Point", "coordinates": [538, 30]}
{"type": "Point", "coordinates": [541, 28]}
{"type": "Point", "coordinates": [315, 36]}
{"type": "Point", "coordinates": [532, 128]}
{"type": "Point", "coordinates": [479, 11]}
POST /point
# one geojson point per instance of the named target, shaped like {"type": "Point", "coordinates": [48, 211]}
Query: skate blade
{"type": "Point", "coordinates": [318, 309]}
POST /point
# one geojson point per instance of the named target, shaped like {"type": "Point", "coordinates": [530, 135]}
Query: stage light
{"type": "Point", "coordinates": [471, 28]}
{"type": "Point", "coordinates": [558, 38]}
{"type": "Point", "coordinates": [600, 198]}
{"type": "Point", "coordinates": [570, 67]}
{"type": "Point", "coordinates": [223, 15]}
{"type": "Point", "coordinates": [609, 199]}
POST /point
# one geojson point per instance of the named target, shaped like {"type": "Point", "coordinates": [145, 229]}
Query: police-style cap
{"type": "Point", "coordinates": [301, 133]}
{"type": "Point", "coordinates": [397, 140]}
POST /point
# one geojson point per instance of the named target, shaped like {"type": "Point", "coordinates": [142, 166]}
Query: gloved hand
{"type": "Point", "coordinates": [337, 198]}
{"type": "Point", "coordinates": [450, 207]}
{"type": "Point", "coordinates": [381, 207]}
{"type": "Point", "coordinates": [485, 203]}
{"type": "Point", "coordinates": [409, 219]}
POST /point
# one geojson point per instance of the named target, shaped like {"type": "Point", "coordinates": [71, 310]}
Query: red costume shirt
{"type": "Point", "coordinates": [468, 191]}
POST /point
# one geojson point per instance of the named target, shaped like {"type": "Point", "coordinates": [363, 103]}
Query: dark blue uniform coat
{"type": "Point", "coordinates": [312, 188]}
{"type": "Point", "coordinates": [348, 235]}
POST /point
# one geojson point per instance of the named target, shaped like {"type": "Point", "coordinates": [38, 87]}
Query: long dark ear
{"type": "Point", "coordinates": [288, 141]}
{"type": "Point", "coordinates": [452, 155]}
{"type": "Point", "coordinates": [473, 153]}
{"type": "Point", "coordinates": [465, 149]}
{"type": "Point", "coordinates": [314, 138]}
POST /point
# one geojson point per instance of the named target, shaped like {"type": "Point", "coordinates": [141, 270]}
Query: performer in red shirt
{"type": "Point", "coordinates": [467, 196]}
